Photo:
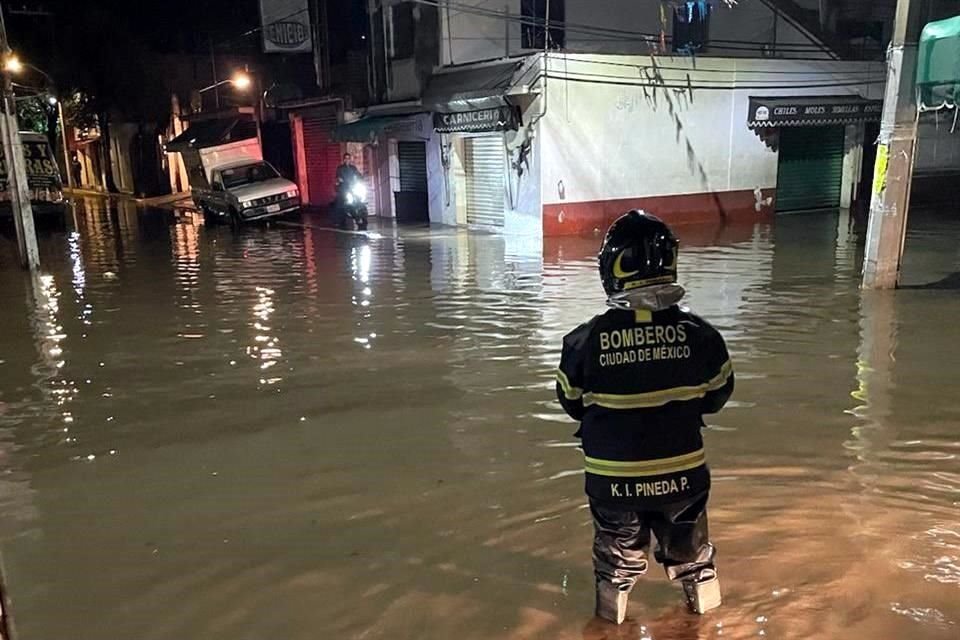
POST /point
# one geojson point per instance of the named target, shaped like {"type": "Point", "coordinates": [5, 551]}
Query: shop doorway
{"type": "Point", "coordinates": [810, 173]}
{"type": "Point", "coordinates": [411, 199]}
{"type": "Point", "coordinates": [486, 193]}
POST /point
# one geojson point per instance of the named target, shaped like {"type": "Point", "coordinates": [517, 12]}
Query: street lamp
{"type": "Point", "coordinates": [241, 80]}
{"type": "Point", "coordinates": [12, 64]}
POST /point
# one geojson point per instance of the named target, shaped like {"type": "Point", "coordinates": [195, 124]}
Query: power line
{"type": "Point", "coordinates": [655, 66]}
{"type": "Point", "coordinates": [869, 76]}
{"type": "Point", "coordinates": [262, 27]}
{"type": "Point", "coordinates": [628, 82]}
{"type": "Point", "coordinates": [611, 34]}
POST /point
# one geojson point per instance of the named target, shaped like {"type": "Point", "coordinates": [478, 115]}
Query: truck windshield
{"type": "Point", "coordinates": [247, 174]}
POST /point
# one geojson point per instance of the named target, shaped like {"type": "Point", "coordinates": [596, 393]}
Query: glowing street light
{"type": "Point", "coordinates": [12, 64]}
{"type": "Point", "coordinates": [241, 80]}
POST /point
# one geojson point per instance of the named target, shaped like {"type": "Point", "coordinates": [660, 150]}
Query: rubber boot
{"type": "Point", "coordinates": [612, 602]}
{"type": "Point", "coordinates": [702, 591]}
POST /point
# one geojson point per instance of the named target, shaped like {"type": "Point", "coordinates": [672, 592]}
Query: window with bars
{"type": "Point", "coordinates": [691, 26]}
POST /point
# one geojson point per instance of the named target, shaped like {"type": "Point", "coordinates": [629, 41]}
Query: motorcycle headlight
{"type": "Point", "coordinates": [350, 198]}
{"type": "Point", "coordinates": [359, 190]}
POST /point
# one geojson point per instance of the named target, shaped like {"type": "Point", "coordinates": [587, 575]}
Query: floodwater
{"type": "Point", "coordinates": [293, 433]}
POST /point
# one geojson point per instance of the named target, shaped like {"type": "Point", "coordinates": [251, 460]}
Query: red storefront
{"type": "Point", "coordinates": [316, 154]}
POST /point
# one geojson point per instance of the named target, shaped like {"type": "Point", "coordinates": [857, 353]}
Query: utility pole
{"type": "Point", "coordinates": [17, 185]}
{"type": "Point", "coordinates": [213, 70]}
{"type": "Point", "coordinates": [6, 620]}
{"type": "Point", "coordinates": [67, 166]}
{"type": "Point", "coordinates": [893, 172]}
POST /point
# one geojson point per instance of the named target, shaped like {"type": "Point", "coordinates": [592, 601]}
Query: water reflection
{"type": "Point", "coordinates": [185, 243]}
{"type": "Point", "coordinates": [49, 335]}
{"type": "Point", "coordinates": [265, 349]}
{"type": "Point", "coordinates": [360, 260]}
{"type": "Point", "coordinates": [330, 435]}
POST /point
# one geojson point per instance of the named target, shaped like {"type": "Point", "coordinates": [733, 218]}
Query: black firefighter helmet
{"type": "Point", "coordinates": [639, 250]}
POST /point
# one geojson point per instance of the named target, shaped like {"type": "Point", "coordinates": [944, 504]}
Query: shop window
{"type": "Point", "coordinates": [691, 26]}
{"type": "Point", "coordinates": [534, 29]}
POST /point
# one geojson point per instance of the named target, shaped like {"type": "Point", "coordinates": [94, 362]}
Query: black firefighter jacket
{"type": "Point", "coordinates": [640, 383]}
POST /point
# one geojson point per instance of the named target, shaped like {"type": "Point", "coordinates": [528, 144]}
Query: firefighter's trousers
{"type": "Point", "coordinates": [622, 540]}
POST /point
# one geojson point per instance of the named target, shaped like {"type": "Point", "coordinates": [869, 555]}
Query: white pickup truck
{"type": "Point", "coordinates": [247, 191]}
{"type": "Point", "coordinates": [231, 181]}
{"type": "Point", "coordinates": [240, 186]}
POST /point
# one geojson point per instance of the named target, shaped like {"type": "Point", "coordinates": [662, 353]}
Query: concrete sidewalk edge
{"type": "Point", "coordinates": [150, 202]}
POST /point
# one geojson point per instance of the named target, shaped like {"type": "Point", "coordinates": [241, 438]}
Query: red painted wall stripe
{"type": "Point", "coordinates": [579, 218]}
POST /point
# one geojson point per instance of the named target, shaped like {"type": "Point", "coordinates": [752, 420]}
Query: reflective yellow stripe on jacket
{"type": "Point", "coordinates": [570, 392]}
{"type": "Point", "coordinates": [658, 398]}
{"type": "Point", "coordinates": [618, 468]}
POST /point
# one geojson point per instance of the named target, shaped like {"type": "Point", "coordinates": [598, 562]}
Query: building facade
{"type": "Point", "coordinates": [545, 125]}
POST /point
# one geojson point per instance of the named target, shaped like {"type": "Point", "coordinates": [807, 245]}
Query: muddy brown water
{"type": "Point", "coordinates": [292, 433]}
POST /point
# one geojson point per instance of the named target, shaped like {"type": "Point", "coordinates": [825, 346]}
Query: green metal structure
{"type": "Point", "coordinates": [938, 65]}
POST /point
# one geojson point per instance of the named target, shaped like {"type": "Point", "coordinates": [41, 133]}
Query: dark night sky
{"type": "Point", "coordinates": [110, 48]}
{"type": "Point", "coordinates": [163, 26]}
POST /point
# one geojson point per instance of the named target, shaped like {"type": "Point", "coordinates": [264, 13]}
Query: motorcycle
{"type": "Point", "coordinates": [353, 204]}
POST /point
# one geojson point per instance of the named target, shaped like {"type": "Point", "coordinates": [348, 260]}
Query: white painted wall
{"type": "Point", "coordinates": [852, 164]}
{"type": "Point", "coordinates": [603, 140]}
{"type": "Point", "coordinates": [467, 37]}
{"type": "Point", "coordinates": [386, 178]}
{"type": "Point", "coordinates": [523, 205]}
{"type": "Point", "coordinates": [441, 192]}
{"type": "Point", "coordinates": [938, 150]}
{"type": "Point", "coordinates": [447, 186]}
{"type": "Point", "coordinates": [525, 211]}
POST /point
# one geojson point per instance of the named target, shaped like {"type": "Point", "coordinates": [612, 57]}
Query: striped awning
{"type": "Point", "coordinates": [811, 111]}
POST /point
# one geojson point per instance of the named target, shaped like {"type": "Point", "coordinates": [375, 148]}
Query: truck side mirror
{"type": "Point", "coordinates": [217, 186]}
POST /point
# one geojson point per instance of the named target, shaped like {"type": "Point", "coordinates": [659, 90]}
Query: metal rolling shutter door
{"type": "Point", "coordinates": [810, 172]}
{"type": "Point", "coordinates": [485, 180]}
{"type": "Point", "coordinates": [413, 166]}
{"type": "Point", "coordinates": [322, 156]}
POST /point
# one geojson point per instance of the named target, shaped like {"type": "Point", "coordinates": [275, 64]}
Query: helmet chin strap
{"type": "Point", "coordinates": [653, 298]}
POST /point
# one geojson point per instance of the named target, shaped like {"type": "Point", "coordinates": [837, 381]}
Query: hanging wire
{"type": "Point", "coordinates": [250, 32]}
{"type": "Point", "coordinates": [611, 34]}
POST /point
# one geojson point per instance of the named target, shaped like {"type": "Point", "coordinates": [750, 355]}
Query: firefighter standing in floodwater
{"type": "Point", "coordinates": [640, 377]}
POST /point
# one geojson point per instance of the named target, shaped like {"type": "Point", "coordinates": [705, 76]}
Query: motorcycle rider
{"type": "Point", "coordinates": [347, 176]}
{"type": "Point", "coordinates": [639, 378]}
{"type": "Point", "coordinates": [347, 172]}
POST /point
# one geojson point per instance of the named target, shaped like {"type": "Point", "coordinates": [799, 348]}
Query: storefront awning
{"type": "Point", "coordinates": [367, 128]}
{"type": "Point", "coordinates": [938, 65]}
{"type": "Point", "coordinates": [473, 99]}
{"type": "Point", "coordinates": [211, 133]}
{"type": "Point", "coordinates": [811, 111]}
